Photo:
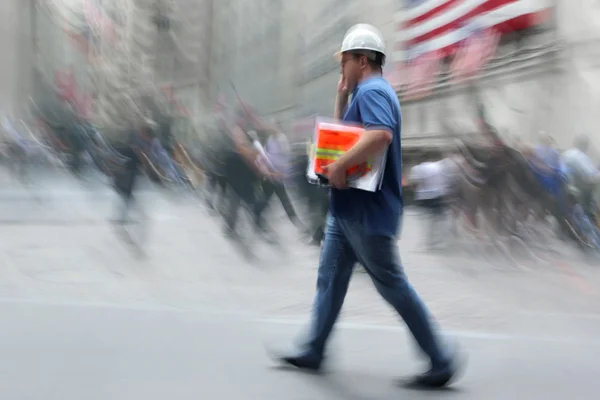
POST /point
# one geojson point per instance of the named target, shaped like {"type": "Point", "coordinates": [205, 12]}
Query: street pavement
{"type": "Point", "coordinates": [84, 316]}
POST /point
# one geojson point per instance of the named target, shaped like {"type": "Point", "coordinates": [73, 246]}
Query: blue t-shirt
{"type": "Point", "coordinates": [375, 105]}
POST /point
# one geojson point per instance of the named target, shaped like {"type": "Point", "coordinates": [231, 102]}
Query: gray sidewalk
{"type": "Point", "coordinates": [82, 315]}
{"type": "Point", "coordinates": [65, 353]}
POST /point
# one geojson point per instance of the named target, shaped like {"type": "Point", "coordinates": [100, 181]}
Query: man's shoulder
{"type": "Point", "coordinates": [378, 85]}
{"type": "Point", "coordinates": [378, 90]}
{"type": "Point", "coordinates": [282, 138]}
{"type": "Point", "coordinates": [570, 152]}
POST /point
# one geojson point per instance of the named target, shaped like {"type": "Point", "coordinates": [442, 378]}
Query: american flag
{"type": "Point", "coordinates": [68, 91]}
{"type": "Point", "coordinates": [474, 53]}
{"type": "Point", "coordinates": [99, 24]}
{"type": "Point", "coordinates": [422, 74]}
{"type": "Point", "coordinates": [220, 104]}
{"type": "Point", "coordinates": [66, 85]}
{"type": "Point", "coordinates": [96, 25]}
{"type": "Point", "coordinates": [180, 109]}
{"type": "Point", "coordinates": [447, 27]}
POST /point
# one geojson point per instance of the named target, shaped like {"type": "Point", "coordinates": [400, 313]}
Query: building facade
{"type": "Point", "coordinates": [280, 58]}
{"type": "Point", "coordinates": [183, 53]}
{"type": "Point", "coordinates": [523, 61]}
{"type": "Point", "coordinates": [16, 43]}
{"type": "Point", "coordinates": [255, 53]}
{"type": "Point", "coordinates": [323, 29]}
{"type": "Point", "coordinates": [542, 80]}
{"type": "Point", "coordinates": [277, 55]}
{"type": "Point", "coordinates": [170, 40]}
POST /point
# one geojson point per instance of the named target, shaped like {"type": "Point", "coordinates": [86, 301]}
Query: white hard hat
{"type": "Point", "coordinates": [363, 37]}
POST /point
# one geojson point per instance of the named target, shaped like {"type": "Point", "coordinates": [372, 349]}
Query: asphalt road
{"type": "Point", "coordinates": [75, 352]}
{"type": "Point", "coordinates": [84, 317]}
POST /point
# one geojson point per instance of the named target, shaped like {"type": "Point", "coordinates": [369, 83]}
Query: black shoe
{"type": "Point", "coordinates": [439, 377]}
{"type": "Point", "coordinates": [264, 232]}
{"type": "Point", "coordinates": [315, 242]}
{"type": "Point", "coordinates": [303, 361]}
{"type": "Point", "coordinates": [230, 233]}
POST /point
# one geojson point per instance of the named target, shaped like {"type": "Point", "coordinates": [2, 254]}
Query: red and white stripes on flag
{"type": "Point", "coordinates": [474, 53]}
{"type": "Point", "coordinates": [220, 105]}
{"type": "Point", "coordinates": [179, 108]}
{"type": "Point", "coordinates": [68, 91]}
{"type": "Point", "coordinates": [66, 85]}
{"type": "Point", "coordinates": [467, 29]}
{"type": "Point", "coordinates": [422, 72]}
{"type": "Point", "coordinates": [441, 25]}
{"type": "Point", "coordinates": [95, 25]}
{"type": "Point", "coordinates": [99, 23]}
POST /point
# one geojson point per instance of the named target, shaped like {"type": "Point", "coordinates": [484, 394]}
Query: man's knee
{"type": "Point", "coordinates": [381, 259]}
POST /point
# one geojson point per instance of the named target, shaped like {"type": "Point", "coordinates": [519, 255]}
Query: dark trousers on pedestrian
{"type": "Point", "coordinates": [217, 185]}
{"type": "Point", "coordinates": [318, 204]}
{"type": "Point", "coordinates": [276, 188]}
{"type": "Point", "coordinates": [435, 209]}
{"type": "Point", "coordinates": [236, 199]}
{"type": "Point", "coordinates": [242, 181]}
{"type": "Point", "coordinates": [346, 243]}
{"type": "Point", "coordinates": [125, 181]}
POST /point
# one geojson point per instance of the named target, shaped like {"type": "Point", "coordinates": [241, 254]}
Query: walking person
{"type": "Point", "coordinates": [581, 173]}
{"type": "Point", "coordinates": [126, 180]}
{"type": "Point", "coordinates": [362, 226]}
{"type": "Point", "coordinates": [430, 192]}
{"type": "Point", "coordinates": [242, 174]}
{"type": "Point", "coordinates": [276, 152]}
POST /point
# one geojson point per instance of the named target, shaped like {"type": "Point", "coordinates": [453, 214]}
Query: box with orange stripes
{"type": "Point", "coordinates": [331, 140]}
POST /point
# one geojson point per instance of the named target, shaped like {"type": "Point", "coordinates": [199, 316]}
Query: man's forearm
{"type": "Point", "coordinates": [341, 100]}
{"type": "Point", "coordinates": [368, 146]}
{"type": "Point", "coordinates": [249, 155]}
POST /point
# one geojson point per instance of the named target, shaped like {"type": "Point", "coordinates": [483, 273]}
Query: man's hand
{"type": "Point", "coordinates": [342, 87]}
{"type": "Point", "coordinates": [341, 100]}
{"type": "Point", "coordinates": [274, 176]}
{"type": "Point", "coordinates": [336, 174]}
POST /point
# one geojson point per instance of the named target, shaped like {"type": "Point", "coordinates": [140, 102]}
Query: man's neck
{"type": "Point", "coordinates": [369, 75]}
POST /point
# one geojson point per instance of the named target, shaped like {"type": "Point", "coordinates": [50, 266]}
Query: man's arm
{"type": "Point", "coordinates": [378, 121]}
{"type": "Point", "coordinates": [341, 101]}
{"type": "Point", "coordinates": [244, 148]}
{"type": "Point", "coordinates": [285, 144]}
{"type": "Point", "coordinates": [414, 175]}
{"type": "Point", "coordinates": [589, 168]}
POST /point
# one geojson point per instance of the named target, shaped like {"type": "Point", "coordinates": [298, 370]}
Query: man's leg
{"type": "Point", "coordinates": [435, 210]}
{"type": "Point", "coordinates": [313, 207]}
{"type": "Point", "coordinates": [321, 216]}
{"type": "Point", "coordinates": [283, 196]}
{"type": "Point", "coordinates": [425, 208]}
{"type": "Point", "coordinates": [335, 269]}
{"type": "Point", "coordinates": [221, 186]}
{"type": "Point", "coordinates": [129, 181]}
{"type": "Point", "coordinates": [211, 185]}
{"type": "Point", "coordinates": [587, 202]}
{"type": "Point", "coordinates": [268, 188]}
{"type": "Point", "coordinates": [231, 214]}
{"type": "Point", "coordinates": [379, 255]}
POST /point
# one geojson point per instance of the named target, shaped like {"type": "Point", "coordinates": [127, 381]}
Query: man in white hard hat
{"type": "Point", "coordinates": [363, 226]}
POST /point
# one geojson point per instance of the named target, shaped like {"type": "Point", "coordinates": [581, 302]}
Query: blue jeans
{"type": "Point", "coordinates": [345, 244]}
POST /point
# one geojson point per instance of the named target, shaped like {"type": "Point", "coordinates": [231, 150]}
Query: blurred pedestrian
{"type": "Point", "coordinates": [276, 164]}
{"type": "Point", "coordinates": [430, 194]}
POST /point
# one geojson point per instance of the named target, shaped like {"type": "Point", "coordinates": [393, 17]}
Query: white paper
{"type": "Point", "coordinates": [370, 182]}
{"type": "Point", "coordinates": [262, 154]}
